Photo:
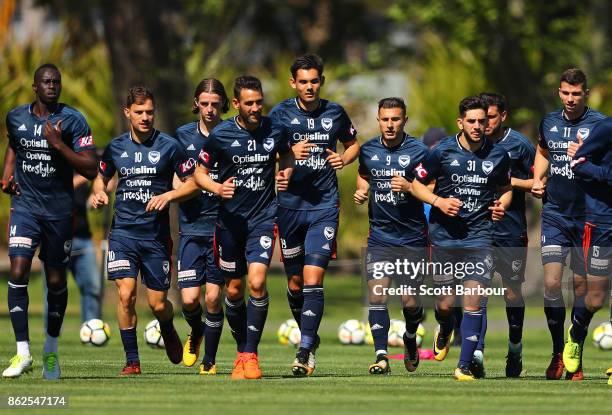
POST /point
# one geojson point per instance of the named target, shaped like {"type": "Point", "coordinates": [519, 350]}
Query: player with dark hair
{"type": "Point", "coordinates": [47, 142]}
{"type": "Point", "coordinates": [592, 164]}
{"type": "Point", "coordinates": [510, 233]}
{"type": "Point", "coordinates": [197, 218]}
{"type": "Point", "coordinates": [308, 212]}
{"type": "Point", "coordinates": [472, 190]}
{"type": "Point", "coordinates": [563, 211]}
{"type": "Point", "coordinates": [398, 227]}
{"type": "Point", "coordinates": [244, 149]}
{"type": "Point", "coordinates": [145, 161]}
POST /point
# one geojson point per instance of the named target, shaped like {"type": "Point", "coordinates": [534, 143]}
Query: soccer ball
{"type": "Point", "coordinates": [602, 336]}
{"type": "Point", "coordinates": [352, 332]}
{"type": "Point", "coordinates": [95, 332]}
{"type": "Point", "coordinates": [152, 335]}
{"type": "Point", "coordinates": [397, 329]}
{"type": "Point", "coordinates": [289, 333]}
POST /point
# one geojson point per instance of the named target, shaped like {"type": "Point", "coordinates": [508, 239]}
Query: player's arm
{"type": "Point", "coordinates": [9, 186]}
{"type": "Point", "coordinates": [187, 190]}
{"type": "Point", "coordinates": [449, 206]}
{"type": "Point", "coordinates": [99, 188]}
{"type": "Point", "coordinates": [363, 189]}
{"type": "Point", "coordinates": [351, 152]}
{"type": "Point", "coordinates": [540, 170]}
{"type": "Point", "coordinates": [498, 210]}
{"type": "Point", "coordinates": [205, 182]}
{"type": "Point", "coordinates": [582, 165]}
{"type": "Point", "coordinates": [285, 170]}
{"type": "Point", "coordinates": [84, 162]}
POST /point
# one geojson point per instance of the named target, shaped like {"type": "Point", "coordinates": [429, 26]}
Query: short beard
{"type": "Point", "coordinates": [469, 138]}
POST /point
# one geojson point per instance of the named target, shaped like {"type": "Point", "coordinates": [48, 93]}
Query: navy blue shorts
{"type": "Point", "coordinates": [405, 265]}
{"type": "Point", "coordinates": [510, 258]}
{"type": "Point", "coordinates": [307, 237]}
{"type": "Point", "coordinates": [598, 249]}
{"type": "Point", "coordinates": [239, 242]}
{"type": "Point", "coordinates": [151, 258]}
{"type": "Point", "coordinates": [452, 265]}
{"type": "Point", "coordinates": [27, 232]}
{"type": "Point", "coordinates": [197, 264]}
{"type": "Point", "coordinates": [560, 236]}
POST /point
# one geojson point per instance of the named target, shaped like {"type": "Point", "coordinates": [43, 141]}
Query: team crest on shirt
{"type": "Point", "coordinates": [154, 156]}
{"type": "Point", "coordinates": [516, 265]}
{"type": "Point", "coordinates": [265, 242]}
{"type": "Point", "coordinates": [329, 232]}
{"type": "Point", "coordinates": [487, 166]}
{"type": "Point", "coordinates": [327, 123]}
{"type": "Point", "coordinates": [68, 246]}
{"type": "Point", "coordinates": [166, 267]}
{"type": "Point", "coordinates": [404, 160]}
{"type": "Point", "coordinates": [584, 133]}
{"type": "Point", "coordinates": [268, 144]}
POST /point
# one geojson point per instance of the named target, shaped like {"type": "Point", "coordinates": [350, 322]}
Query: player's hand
{"type": "Point", "coordinates": [400, 184]}
{"type": "Point", "coordinates": [227, 188]}
{"type": "Point", "coordinates": [538, 188]}
{"type": "Point", "coordinates": [301, 150]}
{"type": "Point", "coordinates": [449, 206]}
{"type": "Point", "coordinates": [334, 159]}
{"type": "Point", "coordinates": [497, 210]}
{"type": "Point", "coordinates": [53, 134]}
{"type": "Point", "coordinates": [282, 179]}
{"type": "Point", "coordinates": [10, 187]}
{"type": "Point", "coordinates": [159, 202]}
{"type": "Point", "coordinates": [573, 146]}
{"type": "Point", "coordinates": [360, 196]}
{"type": "Point", "coordinates": [99, 199]}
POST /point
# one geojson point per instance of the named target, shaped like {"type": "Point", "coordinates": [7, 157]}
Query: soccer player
{"type": "Point", "coordinates": [592, 164]}
{"type": "Point", "coordinates": [563, 211]}
{"type": "Point", "coordinates": [510, 233]}
{"type": "Point", "coordinates": [470, 173]}
{"type": "Point", "coordinates": [47, 142]}
{"type": "Point", "coordinates": [397, 220]}
{"type": "Point", "coordinates": [145, 161]}
{"type": "Point", "coordinates": [244, 149]}
{"type": "Point", "coordinates": [197, 218]}
{"type": "Point", "coordinates": [308, 210]}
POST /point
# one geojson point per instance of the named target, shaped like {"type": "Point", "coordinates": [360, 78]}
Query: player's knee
{"type": "Point", "coordinates": [213, 299]}
{"type": "Point", "coordinates": [234, 290]}
{"type": "Point", "coordinates": [257, 287]}
{"type": "Point", "coordinates": [127, 298]}
{"type": "Point", "coordinates": [190, 303]}
{"type": "Point", "coordinates": [295, 283]}
{"type": "Point", "coordinates": [159, 306]}
{"type": "Point", "coordinates": [595, 300]}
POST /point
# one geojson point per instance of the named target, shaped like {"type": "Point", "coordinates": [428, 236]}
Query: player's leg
{"type": "Point", "coordinates": [191, 277]}
{"type": "Point", "coordinates": [378, 318]}
{"type": "Point", "coordinates": [515, 314]}
{"type": "Point", "coordinates": [470, 330]}
{"type": "Point", "coordinates": [413, 315]}
{"type": "Point", "coordinates": [55, 248]}
{"type": "Point", "coordinates": [127, 320]}
{"type": "Point", "coordinates": [257, 313]}
{"type": "Point", "coordinates": [292, 235]}
{"type": "Point", "coordinates": [445, 302]}
{"type": "Point", "coordinates": [554, 249]}
{"type": "Point", "coordinates": [214, 312]}
{"type": "Point", "coordinates": [155, 270]}
{"type": "Point", "coordinates": [24, 238]}
{"type": "Point", "coordinates": [86, 272]}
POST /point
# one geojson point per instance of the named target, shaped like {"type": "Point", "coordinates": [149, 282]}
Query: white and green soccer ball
{"type": "Point", "coordinates": [152, 335]}
{"type": "Point", "coordinates": [95, 332]}
{"type": "Point", "coordinates": [397, 328]}
{"type": "Point", "coordinates": [602, 336]}
{"type": "Point", "coordinates": [289, 333]}
{"type": "Point", "coordinates": [352, 332]}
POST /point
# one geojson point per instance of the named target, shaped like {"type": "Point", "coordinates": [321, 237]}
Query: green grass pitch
{"type": "Point", "coordinates": [340, 385]}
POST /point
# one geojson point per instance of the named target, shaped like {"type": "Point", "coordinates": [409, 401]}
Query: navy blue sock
{"type": "Point", "coordinates": [580, 323]}
{"type": "Point", "coordinates": [413, 318]}
{"type": "Point", "coordinates": [194, 319]}
{"type": "Point", "coordinates": [378, 317]}
{"type": "Point", "coordinates": [130, 344]}
{"type": "Point", "coordinates": [214, 328]}
{"type": "Point", "coordinates": [18, 302]}
{"type": "Point", "coordinates": [516, 316]}
{"type": "Point", "coordinates": [296, 302]}
{"type": "Point", "coordinates": [483, 329]}
{"type": "Point", "coordinates": [312, 313]}
{"type": "Point", "coordinates": [257, 312]}
{"type": "Point", "coordinates": [554, 309]}
{"type": "Point", "coordinates": [236, 313]}
{"type": "Point", "coordinates": [166, 328]}
{"type": "Point", "coordinates": [446, 322]}
{"type": "Point", "coordinates": [57, 300]}
{"type": "Point", "coordinates": [470, 332]}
